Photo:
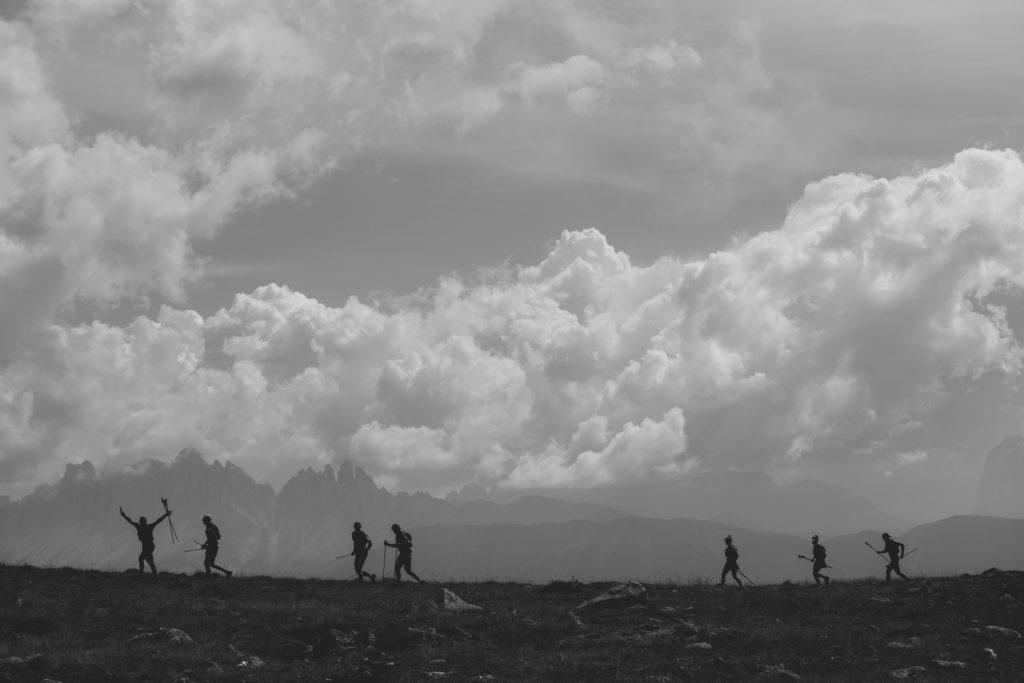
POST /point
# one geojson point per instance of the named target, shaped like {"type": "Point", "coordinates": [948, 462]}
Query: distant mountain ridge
{"type": "Point", "coordinates": [299, 530]}
{"type": "Point", "coordinates": [295, 531]}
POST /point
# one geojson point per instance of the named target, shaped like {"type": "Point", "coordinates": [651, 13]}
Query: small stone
{"type": "Point", "coordinates": [1002, 631]}
{"type": "Point", "coordinates": [620, 595]}
{"type": "Point", "coordinates": [251, 662]}
{"type": "Point", "coordinates": [176, 636]}
{"type": "Point", "coordinates": [577, 621]}
{"type": "Point", "coordinates": [453, 603]}
{"type": "Point", "coordinates": [699, 646]}
{"type": "Point", "coordinates": [948, 664]}
{"type": "Point", "coordinates": [907, 672]}
{"type": "Point", "coordinates": [909, 644]}
{"type": "Point", "coordinates": [972, 631]}
{"type": "Point", "coordinates": [990, 653]}
{"type": "Point", "coordinates": [675, 592]}
{"type": "Point", "coordinates": [435, 675]}
{"type": "Point", "coordinates": [482, 678]}
{"type": "Point", "coordinates": [882, 601]}
{"type": "Point", "coordinates": [777, 673]}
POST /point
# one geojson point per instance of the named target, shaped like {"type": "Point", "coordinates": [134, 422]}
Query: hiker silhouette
{"type": "Point", "coordinates": [403, 542]}
{"type": "Point", "coordinates": [818, 558]}
{"type": "Point", "coordinates": [211, 547]}
{"type": "Point", "coordinates": [361, 545]}
{"type": "Point", "coordinates": [732, 556]}
{"type": "Point", "coordinates": [895, 550]}
{"type": "Point", "coordinates": [144, 531]}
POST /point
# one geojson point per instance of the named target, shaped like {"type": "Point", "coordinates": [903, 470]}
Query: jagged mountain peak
{"type": "Point", "coordinates": [189, 455]}
{"type": "Point", "coordinates": [82, 471]}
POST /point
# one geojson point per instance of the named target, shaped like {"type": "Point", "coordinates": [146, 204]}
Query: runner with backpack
{"type": "Point", "coordinates": [403, 543]}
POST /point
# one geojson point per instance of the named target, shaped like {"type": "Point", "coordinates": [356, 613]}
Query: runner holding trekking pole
{"type": "Point", "coordinates": [361, 545]}
{"type": "Point", "coordinates": [403, 544]}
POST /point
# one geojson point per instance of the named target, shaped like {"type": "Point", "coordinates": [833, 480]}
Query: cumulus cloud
{"type": "Point", "coordinates": [867, 306]}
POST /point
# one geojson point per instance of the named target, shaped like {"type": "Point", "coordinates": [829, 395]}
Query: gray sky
{"type": "Point", "coordinates": [793, 239]}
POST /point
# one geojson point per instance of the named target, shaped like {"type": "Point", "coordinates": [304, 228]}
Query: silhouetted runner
{"type": "Point", "coordinates": [361, 545]}
{"type": "Point", "coordinates": [732, 565]}
{"type": "Point", "coordinates": [211, 546]}
{"type": "Point", "coordinates": [895, 550]}
{"type": "Point", "coordinates": [145, 534]}
{"type": "Point", "coordinates": [818, 557]}
{"type": "Point", "coordinates": [403, 542]}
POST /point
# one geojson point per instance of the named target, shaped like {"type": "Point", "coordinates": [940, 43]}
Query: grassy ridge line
{"type": "Point", "coordinates": [308, 629]}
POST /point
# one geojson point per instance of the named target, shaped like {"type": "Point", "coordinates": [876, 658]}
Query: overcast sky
{"type": "Point", "coordinates": [519, 244]}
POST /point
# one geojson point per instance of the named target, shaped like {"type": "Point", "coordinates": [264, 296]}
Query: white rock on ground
{"type": "Point", "coordinates": [453, 603]}
{"type": "Point", "coordinates": [620, 595]}
{"type": "Point", "coordinates": [907, 672]}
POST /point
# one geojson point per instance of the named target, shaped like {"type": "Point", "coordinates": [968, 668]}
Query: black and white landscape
{"type": "Point", "coordinates": [299, 530]}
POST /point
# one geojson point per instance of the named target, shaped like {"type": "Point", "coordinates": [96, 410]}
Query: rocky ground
{"type": "Point", "coordinates": [69, 625]}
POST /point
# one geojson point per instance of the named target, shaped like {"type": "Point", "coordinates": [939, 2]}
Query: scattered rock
{"type": "Point", "coordinates": [882, 601]}
{"type": "Point", "coordinates": [948, 664]}
{"type": "Point", "coordinates": [33, 661]}
{"type": "Point", "coordinates": [675, 592]}
{"type": "Point", "coordinates": [909, 644]}
{"type": "Point", "coordinates": [972, 631]}
{"type": "Point", "coordinates": [620, 595]}
{"type": "Point", "coordinates": [251, 662]}
{"type": "Point", "coordinates": [435, 675]}
{"type": "Point", "coordinates": [770, 672]}
{"type": "Point", "coordinates": [636, 608]}
{"type": "Point", "coordinates": [990, 654]}
{"type": "Point", "coordinates": [907, 672]}
{"type": "Point", "coordinates": [175, 636]}
{"type": "Point", "coordinates": [453, 603]}
{"type": "Point", "coordinates": [187, 676]}
{"type": "Point", "coordinates": [482, 678]}
{"type": "Point", "coordinates": [699, 646]}
{"type": "Point", "coordinates": [577, 621]}
{"type": "Point", "coordinates": [999, 630]}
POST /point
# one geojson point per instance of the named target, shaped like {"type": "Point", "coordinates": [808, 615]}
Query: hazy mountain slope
{"type": "Point", "coordinates": [752, 498]}
{"type": "Point", "coordinates": [685, 549]}
{"type": "Point", "coordinates": [1002, 480]}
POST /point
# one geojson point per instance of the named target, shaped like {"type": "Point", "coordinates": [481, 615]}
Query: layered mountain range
{"type": "Point", "coordinates": [300, 529]}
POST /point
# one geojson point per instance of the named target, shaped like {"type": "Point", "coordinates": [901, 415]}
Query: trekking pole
{"type": "Point", "coordinates": [170, 523]}
{"type": "Point", "coordinates": [746, 577]}
{"type": "Point", "coordinates": [877, 552]}
{"type": "Point", "coordinates": [342, 557]}
{"type": "Point", "coordinates": [384, 565]}
{"type": "Point", "coordinates": [908, 552]}
{"type": "Point", "coordinates": [804, 557]}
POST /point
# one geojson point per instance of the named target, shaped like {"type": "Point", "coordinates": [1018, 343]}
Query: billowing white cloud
{"type": "Point", "coordinates": [846, 324]}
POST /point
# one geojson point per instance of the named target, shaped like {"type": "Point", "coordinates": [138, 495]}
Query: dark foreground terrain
{"type": "Point", "coordinates": [69, 625]}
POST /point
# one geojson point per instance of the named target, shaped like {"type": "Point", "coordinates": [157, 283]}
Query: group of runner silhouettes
{"type": "Point", "coordinates": [893, 548]}
{"type": "Point", "coordinates": [402, 544]}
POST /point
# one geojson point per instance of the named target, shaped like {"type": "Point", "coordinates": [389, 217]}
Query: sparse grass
{"type": "Point", "coordinates": [329, 630]}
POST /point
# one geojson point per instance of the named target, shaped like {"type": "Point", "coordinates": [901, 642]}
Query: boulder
{"type": "Point", "coordinates": [619, 596]}
{"type": "Point", "coordinates": [453, 603]}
